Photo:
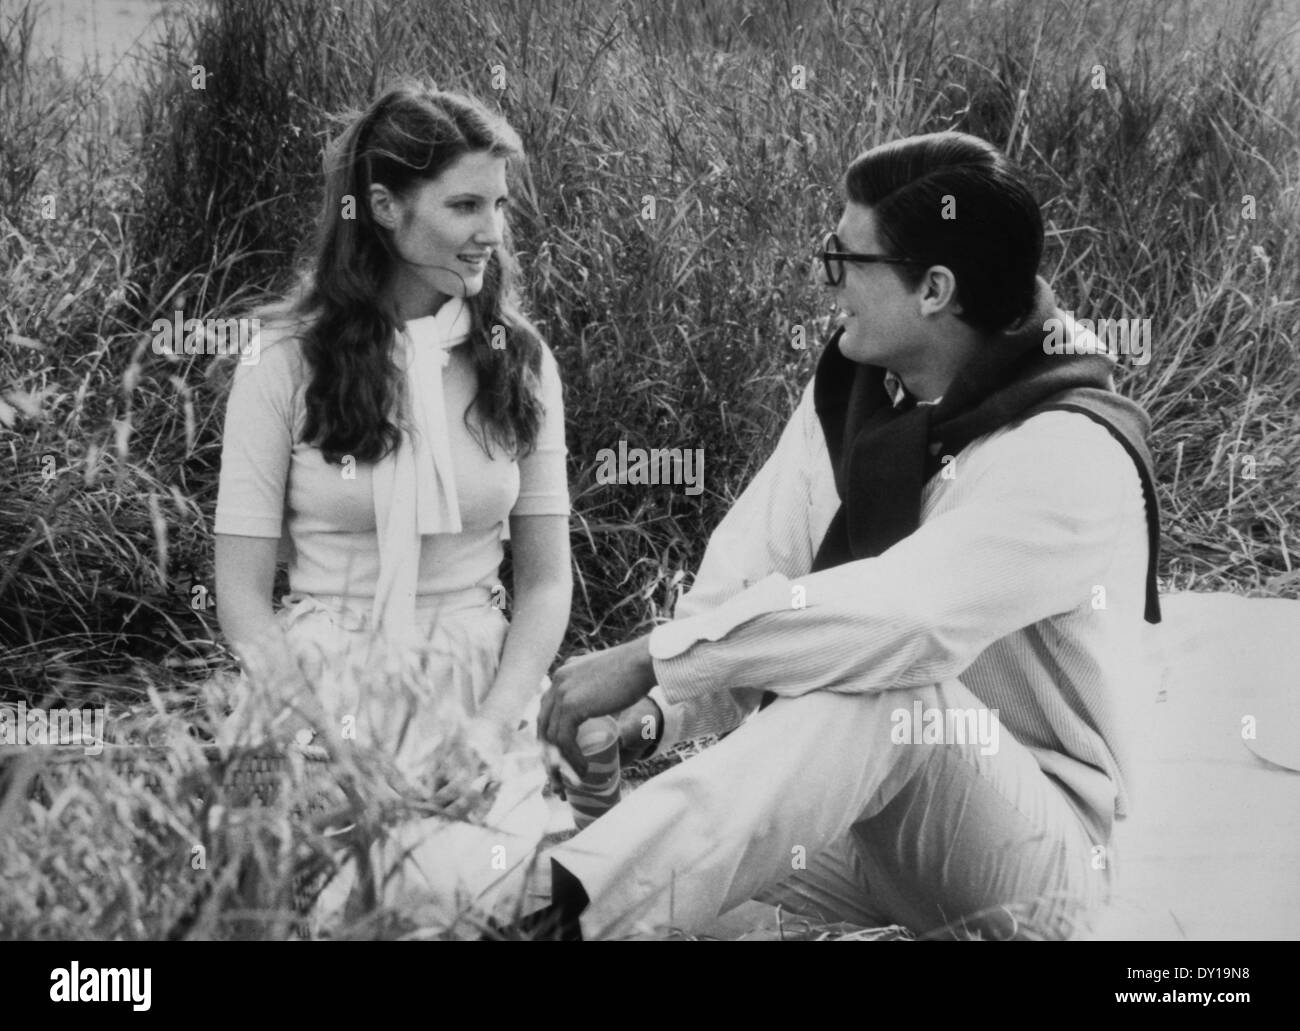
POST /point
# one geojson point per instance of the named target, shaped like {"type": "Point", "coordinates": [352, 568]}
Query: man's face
{"type": "Point", "coordinates": [879, 313]}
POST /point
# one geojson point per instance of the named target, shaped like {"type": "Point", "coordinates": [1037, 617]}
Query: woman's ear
{"type": "Point", "coordinates": [383, 206]}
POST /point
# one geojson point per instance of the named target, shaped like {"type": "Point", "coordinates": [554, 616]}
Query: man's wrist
{"type": "Point", "coordinates": [658, 718]}
{"type": "Point", "coordinates": [641, 728]}
{"type": "Point", "coordinates": [641, 666]}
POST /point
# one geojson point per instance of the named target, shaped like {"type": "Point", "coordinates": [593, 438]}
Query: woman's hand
{"type": "Point", "coordinates": [457, 797]}
{"type": "Point", "coordinates": [593, 685]}
{"type": "Point", "coordinates": [490, 737]}
{"type": "Point", "coordinates": [487, 738]}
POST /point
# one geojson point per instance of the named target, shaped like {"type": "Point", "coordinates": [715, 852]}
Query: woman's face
{"type": "Point", "coordinates": [446, 230]}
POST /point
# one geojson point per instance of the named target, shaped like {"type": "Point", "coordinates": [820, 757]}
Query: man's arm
{"type": "Point", "coordinates": [766, 531]}
{"type": "Point", "coordinates": [1032, 533]}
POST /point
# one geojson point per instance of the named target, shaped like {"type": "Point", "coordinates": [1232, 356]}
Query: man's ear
{"type": "Point", "coordinates": [383, 206]}
{"type": "Point", "coordinates": [939, 291]}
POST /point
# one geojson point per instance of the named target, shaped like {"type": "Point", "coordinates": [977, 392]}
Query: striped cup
{"type": "Point", "coordinates": [599, 789]}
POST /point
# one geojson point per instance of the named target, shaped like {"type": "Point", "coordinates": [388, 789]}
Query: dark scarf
{"type": "Point", "coordinates": [883, 456]}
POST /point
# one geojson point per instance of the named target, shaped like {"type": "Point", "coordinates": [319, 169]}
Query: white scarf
{"type": "Point", "coordinates": [415, 485]}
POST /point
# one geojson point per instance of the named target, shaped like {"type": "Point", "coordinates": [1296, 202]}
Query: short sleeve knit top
{"type": "Point", "coordinates": [274, 485]}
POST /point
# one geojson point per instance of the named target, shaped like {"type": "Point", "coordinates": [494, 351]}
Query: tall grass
{"type": "Point", "coordinates": [672, 331]}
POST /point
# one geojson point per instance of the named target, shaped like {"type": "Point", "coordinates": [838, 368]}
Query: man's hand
{"type": "Point", "coordinates": [593, 685]}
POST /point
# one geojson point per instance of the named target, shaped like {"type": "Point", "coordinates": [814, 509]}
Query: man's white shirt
{"type": "Point", "coordinates": [1025, 580]}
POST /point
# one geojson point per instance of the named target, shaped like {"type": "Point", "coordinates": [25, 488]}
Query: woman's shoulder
{"type": "Point", "coordinates": [548, 356]}
{"type": "Point", "coordinates": [275, 375]}
{"type": "Point", "coordinates": [550, 382]}
{"type": "Point", "coordinates": [277, 352]}
{"type": "Point", "coordinates": [547, 364]}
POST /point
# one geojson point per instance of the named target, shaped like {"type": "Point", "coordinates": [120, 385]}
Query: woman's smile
{"type": "Point", "coordinates": [449, 231]}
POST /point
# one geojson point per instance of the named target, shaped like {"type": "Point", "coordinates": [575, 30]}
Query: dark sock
{"type": "Point", "coordinates": [569, 899]}
{"type": "Point", "coordinates": [556, 922]}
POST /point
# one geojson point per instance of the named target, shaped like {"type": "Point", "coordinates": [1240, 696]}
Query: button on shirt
{"type": "Point", "coordinates": [1025, 580]}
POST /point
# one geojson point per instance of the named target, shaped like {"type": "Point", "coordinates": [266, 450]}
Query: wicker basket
{"type": "Point", "coordinates": [248, 777]}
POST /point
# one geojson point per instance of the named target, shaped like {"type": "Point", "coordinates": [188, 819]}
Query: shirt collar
{"type": "Point", "coordinates": [898, 393]}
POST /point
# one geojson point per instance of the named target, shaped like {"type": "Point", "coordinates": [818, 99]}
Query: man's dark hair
{"type": "Point", "coordinates": [991, 237]}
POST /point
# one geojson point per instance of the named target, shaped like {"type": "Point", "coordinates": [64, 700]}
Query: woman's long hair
{"type": "Point", "coordinates": [407, 137]}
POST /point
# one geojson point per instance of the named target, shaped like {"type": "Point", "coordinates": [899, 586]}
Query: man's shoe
{"type": "Point", "coordinates": [555, 922]}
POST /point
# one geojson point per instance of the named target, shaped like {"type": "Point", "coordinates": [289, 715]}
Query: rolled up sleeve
{"type": "Point", "coordinates": [765, 532]}
{"type": "Point", "coordinates": [1034, 524]}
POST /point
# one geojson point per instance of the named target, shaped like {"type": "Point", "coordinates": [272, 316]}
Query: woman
{"type": "Point", "coordinates": [403, 418]}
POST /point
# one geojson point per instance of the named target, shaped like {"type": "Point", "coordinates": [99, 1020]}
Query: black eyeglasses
{"type": "Point", "coordinates": [833, 259]}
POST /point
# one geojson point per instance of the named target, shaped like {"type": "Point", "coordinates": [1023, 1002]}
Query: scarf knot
{"type": "Point", "coordinates": [415, 484]}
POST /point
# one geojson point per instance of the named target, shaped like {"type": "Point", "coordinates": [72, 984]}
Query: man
{"type": "Point", "coordinates": [938, 581]}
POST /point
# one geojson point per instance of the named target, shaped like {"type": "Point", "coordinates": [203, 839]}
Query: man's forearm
{"type": "Point", "coordinates": [716, 713]}
{"type": "Point", "coordinates": [1028, 540]}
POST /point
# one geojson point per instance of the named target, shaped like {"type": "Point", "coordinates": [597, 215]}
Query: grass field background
{"type": "Point", "coordinates": [1171, 194]}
